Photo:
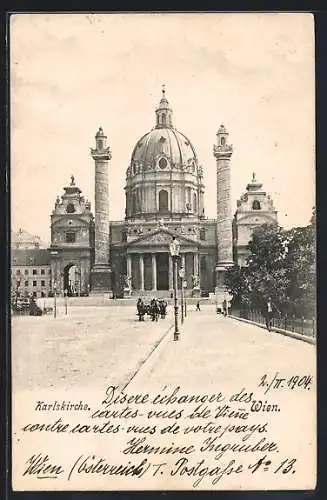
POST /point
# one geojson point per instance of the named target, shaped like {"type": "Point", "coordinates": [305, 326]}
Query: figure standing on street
{"type": "Point", "coordinates": [198, 306]}
{"type": "Point", "coordinates": [225, 307]}
{"type": "Point", "coordinates": [269, 313]}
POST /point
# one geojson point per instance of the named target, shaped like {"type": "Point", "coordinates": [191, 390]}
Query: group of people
{"type": "Point", "coordinates": [155, 309]}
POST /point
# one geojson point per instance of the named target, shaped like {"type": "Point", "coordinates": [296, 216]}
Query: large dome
{"type": "Point", "coordinates": [164, 175]}
{"type": "Point", "coordinates": [166, 142]}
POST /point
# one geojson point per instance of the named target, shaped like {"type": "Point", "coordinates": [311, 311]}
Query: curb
{"type": "Point", "coordinates": [287, 333]}
{"type": "Point", "coordinates": [149, 360]}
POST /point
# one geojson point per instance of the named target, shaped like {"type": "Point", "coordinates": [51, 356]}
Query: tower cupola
{"type": "Point", "coordinates": [164, 112]}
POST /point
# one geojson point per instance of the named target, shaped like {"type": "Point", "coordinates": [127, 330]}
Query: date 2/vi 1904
{"type": "Point", "coordinates": [286, 466]}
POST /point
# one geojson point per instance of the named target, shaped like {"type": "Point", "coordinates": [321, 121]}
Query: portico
{"type": "Point", "coordinates": [152, 270]}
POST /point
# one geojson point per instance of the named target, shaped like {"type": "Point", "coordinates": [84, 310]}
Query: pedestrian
{"type": "Point", "coordinates": [225, 307]}
{"type": "Point", "coordinates": [198, 306]}
{"type": "Point", "coordinates": [269, 313]}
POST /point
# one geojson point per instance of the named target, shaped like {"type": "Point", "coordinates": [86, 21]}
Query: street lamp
{"type": "Point", "coordinates": [55, 300]}
{"type": "Point", "coordinates": [185, 308]}
{"type": "Point", "coordinates": [181, 275]}
{"type": "Point", "coordinates": [174, 252]}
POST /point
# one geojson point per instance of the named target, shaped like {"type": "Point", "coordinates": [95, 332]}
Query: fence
{"type": "Point", "coordinates": [303, 326]}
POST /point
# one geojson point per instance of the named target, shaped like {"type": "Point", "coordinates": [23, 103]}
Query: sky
{"type": "Point", "coordinates": [71, 73]}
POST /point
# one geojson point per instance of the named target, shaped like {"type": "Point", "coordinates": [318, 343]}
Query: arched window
{"type": "Point", "coordinates": [163, 118]}
{"type": "Point", "coordinates": [256, 205]}
{"type": "Point", "coordinates": [195, 208]}
{"type": "Point", "coordinates": [70, 208]}
{"type": "Point", "coordinates": [100, 144]}
{"type": "Point", "coordinates": [223, 141]}
{"type": "Point", "coordinates": [163, 201]}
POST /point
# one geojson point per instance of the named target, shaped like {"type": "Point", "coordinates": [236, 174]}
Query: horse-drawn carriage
{"type": "Point", "coordinates": [155, 308]}
{"type": "Point", "coordinates": [25, 306]}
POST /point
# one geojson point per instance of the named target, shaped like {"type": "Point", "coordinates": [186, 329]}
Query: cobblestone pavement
{"type": "Point", "coordinates": [88, 347]}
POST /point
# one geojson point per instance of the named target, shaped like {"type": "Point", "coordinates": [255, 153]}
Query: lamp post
{"type": "Point", "coordinates": [185, 308]}
{"type": "Point", "coordinates": [181, 275]}
{"type": "Point", "coordinates": [55, 300]}
{"type": "Point", "coordinates": [66, 300]}
{"type": "Point", "coordinates": [174, 252]}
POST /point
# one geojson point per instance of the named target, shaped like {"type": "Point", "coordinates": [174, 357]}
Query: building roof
{"type": "Point", "coordinates": [30, 257]}
{"type": "Point", "coordinates": [23, 239]}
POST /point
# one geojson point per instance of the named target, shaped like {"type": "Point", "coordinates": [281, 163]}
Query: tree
{"type": "Point", "coordinates": [301, 265]}
{"type": "Point", "coordinates": [281, 265]}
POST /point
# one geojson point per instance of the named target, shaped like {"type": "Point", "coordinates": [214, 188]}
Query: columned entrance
{"type": "Point", "coordinates": [152, 271]}
{"type": "Point", "coordinates": [162, 271]}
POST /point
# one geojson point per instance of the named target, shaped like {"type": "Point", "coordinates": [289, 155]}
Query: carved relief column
{"type": "Point", "coordinates": [141, 272]}
{"type": "Point", "coordinates": [154, 271]}
{"type": "Point", "coordinates": [223, 152]}
{"type": "Point", "coordinates": [101, 273]}
{"type": "Point", "coordinates": [170, 271]}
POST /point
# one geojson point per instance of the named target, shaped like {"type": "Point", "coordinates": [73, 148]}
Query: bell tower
{"type": "Point", "coordinates": [101, 270]}
{"type": "Point", "coordinates": [223, 152]}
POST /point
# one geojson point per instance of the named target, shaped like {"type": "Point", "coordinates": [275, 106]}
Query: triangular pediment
{"type": "Point", "coordinates": [161, 237]}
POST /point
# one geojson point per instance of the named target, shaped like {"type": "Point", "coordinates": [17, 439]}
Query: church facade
{"type": "Point", "coordinates": [164, 194]}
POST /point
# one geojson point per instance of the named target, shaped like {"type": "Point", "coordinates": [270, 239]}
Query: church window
{"type": "Point", "coordinates": [100, 144]}
{"type": "Point", "coordinates": [163, 118]}
{"type": "Point", "coordinates": [223, 141]}
{"type": "Point", "coordinates": [163, 200]}
{"type": "Point", "coordinates": [189, 191]}
{"type": "Point", "coordinates": [70, 237]}
{"type": "Point", "coordinates": [163, 163]}
{"type": "Point", "coordinates": [256, 205]}
{"type": "Point", "coordinates": [194, 202]}
{"type": "Point", "coordinates": [70, 208]}
{"type": "Point", "coordinates": [202, 234]}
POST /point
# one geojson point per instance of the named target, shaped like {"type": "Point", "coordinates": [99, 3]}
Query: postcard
{"type": "Point", "coordinates": [163, 268]}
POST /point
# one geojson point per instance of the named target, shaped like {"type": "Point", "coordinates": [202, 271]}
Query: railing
{"type": "Point", "coordinates": [303, 326]}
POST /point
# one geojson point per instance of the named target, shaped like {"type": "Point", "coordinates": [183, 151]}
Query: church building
{"type": "Point", "coordinates": [164, 194]}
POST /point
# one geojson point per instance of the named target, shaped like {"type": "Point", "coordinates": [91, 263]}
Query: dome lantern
{"type": "Point", "coordinates": [164, 112]}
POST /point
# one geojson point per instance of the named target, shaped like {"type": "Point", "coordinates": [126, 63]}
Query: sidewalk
{"type": "Point", "coordinates": [213, 348]}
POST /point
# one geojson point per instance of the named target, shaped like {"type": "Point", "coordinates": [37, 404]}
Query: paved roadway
{"type": "Point", "coordinates": [76, 357]}
{"type": "Point", "coordinates": [110, 344]}
{"type": "Point", "coordinates": [214, 348]}
{"type": "Point", "coordinates": [88, 346]}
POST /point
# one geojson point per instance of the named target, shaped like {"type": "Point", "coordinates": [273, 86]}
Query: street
{"type": "Point", "coordinates": [87, 347]}
{"type": "Point", "coordinates": [79, 357]}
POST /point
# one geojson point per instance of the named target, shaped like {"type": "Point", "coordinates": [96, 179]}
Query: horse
{"type": "Point", "coordinates": [163, 307]}
{"type": "Point", "coordinates": [154, 310]}
{"type": "Point", "coordinates": [141, 309]}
